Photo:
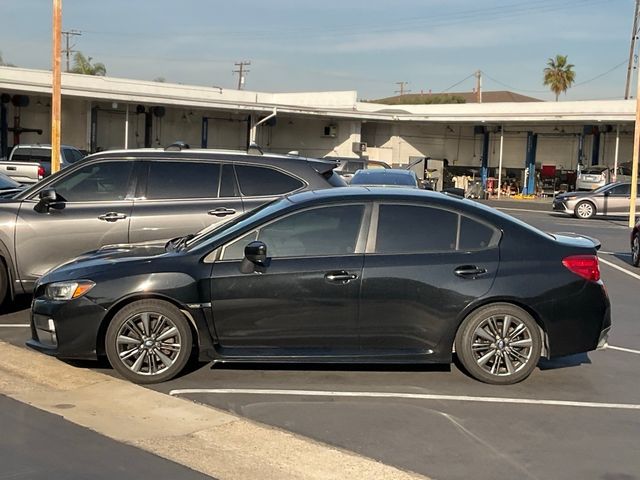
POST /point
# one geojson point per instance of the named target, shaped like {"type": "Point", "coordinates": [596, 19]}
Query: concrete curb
{"type": "Point", "coordinates": [200, 437]}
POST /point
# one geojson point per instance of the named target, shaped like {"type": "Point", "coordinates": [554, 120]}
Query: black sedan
{"type": "Point", "coordinates": [341, 275]}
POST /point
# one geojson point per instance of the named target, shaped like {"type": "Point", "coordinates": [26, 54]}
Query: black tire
{"type": "Point", "coordinates": [4, 283]}
{"type": "Point", "coordinates": [157, 341]}
{"type": "Point", "coordinates": [584, 210]}
{"type": "Point", "coordinates": [635, 250]}
{"type": "Point", "coordinates": [489, 355]}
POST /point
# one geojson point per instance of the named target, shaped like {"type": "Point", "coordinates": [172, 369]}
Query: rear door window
{"type": "Point", "coordinates": [621, 190]}
{"type": "Point", "coordinates": [262, 181]}
{"type": "Point", "coordinates": [179, 180]}
{"type": "Point", "coordinates": [421, 229]}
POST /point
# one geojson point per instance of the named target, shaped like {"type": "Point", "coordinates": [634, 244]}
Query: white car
{"type": "Point", "coordinates": [598, 175]}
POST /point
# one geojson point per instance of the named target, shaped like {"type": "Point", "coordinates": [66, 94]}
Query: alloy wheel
{"type": "Point", "coordinates": [584, 210]}
{"type": "Point", "coordinates": [502, 345]}
{"type": "Point", "coordinates": [148, 343]}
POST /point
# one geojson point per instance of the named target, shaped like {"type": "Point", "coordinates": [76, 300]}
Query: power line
{"type": "Point", "coordinates": [458, 83]}
{"type": "Point", "coordinates": [242, 72]}
{"type": "Point", "coordinates": [402, 90]}
{"type": "Point", "coordinates": [601, 74]}
{"type": "Point", "coordinates": [68, 50]}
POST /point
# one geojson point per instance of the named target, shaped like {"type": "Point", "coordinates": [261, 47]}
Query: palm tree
{"type": "Point", "coordinates": [559, 75]}
{"type": "Point", "coordinates": [82, 64]}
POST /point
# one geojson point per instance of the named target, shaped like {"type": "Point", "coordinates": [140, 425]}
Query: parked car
{"type": "Point", "coordinates": [389, 177]}
{"type": "Point", "coordinates": [611, 199]}
{"type": "Point", "coordinates": [138, 196]}
{"type": "Point", "coordinates": [347, 167]}
{"type": "Point", "coordinates": [599, 175]}
{"type": "Point", "coordinates": [342, 275]}
{"type": "Point", "coordinates": [635, 245]}
{"type": "Point", "coordinates": [29, 164]}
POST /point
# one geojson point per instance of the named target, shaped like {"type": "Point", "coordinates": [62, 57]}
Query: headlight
{"type": "Point", "coordinates": [68, 290]}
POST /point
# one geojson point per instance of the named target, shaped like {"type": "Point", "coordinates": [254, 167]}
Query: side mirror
{"type": "Point", "coordinates": [48, 195]}
{"type": "Point", "coordinates": [255, 258]}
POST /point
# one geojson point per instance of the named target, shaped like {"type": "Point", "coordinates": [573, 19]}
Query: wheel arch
{"type": "Point", "coordinates": [509, 301]}
{"type": "Point", "coordinates": [123, 302]}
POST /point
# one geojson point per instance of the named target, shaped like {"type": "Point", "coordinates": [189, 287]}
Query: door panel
{"type": "Point", "coordinates": [409, 301]}
{"type": "Point", "coordinates": [44, 240]}
{"type": "Point", "coordinates": [291, 308]}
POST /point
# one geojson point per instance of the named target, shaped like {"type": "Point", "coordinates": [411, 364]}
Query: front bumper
{"type": "Point", "coordinates": [66, 329]}
{"type": "Point", "coordinates": [561, 206]}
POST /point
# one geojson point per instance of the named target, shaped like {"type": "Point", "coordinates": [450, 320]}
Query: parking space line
{"type": "Point", "coordinates": [14, 325]}
{"type": "Point", "coordinates": [411, 396]}
{"type": "Point", "coordinates": [623, 270]}
{"type": "Point", "coordinates": [622, 349]}
{"type": "Point", "coordinates": [521, 210]}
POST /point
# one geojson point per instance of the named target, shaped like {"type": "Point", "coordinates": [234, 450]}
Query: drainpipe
{"type": "Point", "coordinates": [254, 128]}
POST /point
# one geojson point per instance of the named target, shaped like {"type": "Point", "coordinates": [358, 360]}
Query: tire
{"type": "Point", "coordinates": [489, 355]}
{"type": "Point", "coordinates": [4, 283]}
{"type": "Point", "coordinates": [585, 210]}
{"type": "Point", "coordinates": [635, 250]}
{"type": "Point", "coordinates": [155, 341]}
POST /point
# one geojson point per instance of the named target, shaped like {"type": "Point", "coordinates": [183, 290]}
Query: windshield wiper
{"type": "Point", "coordinates": [178, 243]}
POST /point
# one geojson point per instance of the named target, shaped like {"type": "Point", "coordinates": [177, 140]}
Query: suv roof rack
{"type": "Point", "coordinates": [254, 149]}
{"type": "Point", "coordinates": [177, 146]}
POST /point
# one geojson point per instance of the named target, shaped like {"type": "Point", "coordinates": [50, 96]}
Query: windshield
{"type": "Point", "coordinates": [7, 182]}
{"type": "Point", "coordinates": [238, 223]}
{"type": "Point", "coordinates": [593, 171]}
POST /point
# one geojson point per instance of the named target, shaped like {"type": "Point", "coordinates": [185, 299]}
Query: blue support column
{"type": "Point", "coordinates": [530, 164]}
{"type": "Point", "coordinates": [595, 147]}
{"type": "Point", "coordinates": [484, 170]}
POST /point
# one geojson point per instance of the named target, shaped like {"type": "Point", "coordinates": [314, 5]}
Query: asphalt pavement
{"type": "Point", "coordinates": [575, 417]}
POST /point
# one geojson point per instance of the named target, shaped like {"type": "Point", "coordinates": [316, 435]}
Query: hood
{"type": "Point", "coordinates": [98, 260]}
{"type": "Point", "coordinates": [574, 194]}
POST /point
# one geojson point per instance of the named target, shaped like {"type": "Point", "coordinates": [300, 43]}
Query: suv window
{"type": "Point", "coordinates": [624, 189]}
{"type": "Point", "coordinates": [415, 229]}
{"type": "Point", "coordinates": [261, 181]}
{"type": "Point", "coordinates": [182, 180]}
{"type": "Point", "coordinates": [21, 155]}
{"type": "Point", "coordinates": [41, 155]}
{"type": "Point", "coordinates": [99, 182]}
{"type": "Point", "coordinates": [311, 233]}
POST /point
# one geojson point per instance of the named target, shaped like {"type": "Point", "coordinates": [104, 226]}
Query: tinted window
{"type": "Point", "coordinates": [41, 155]}
{"type": "Point", "coordinates": [382, 177]}
{"type": "Point", "coordinates": [475, 235]}
{"type": "Point", "coordinates": [352, 167]}
{"type": "Point", "coordinates": [71, 155]}
{"type": "Point", "coordinates": [409, 228]}
{"type": "Point", "coordinates": [7, 182]}
{"type": "Point", "coordinates": [624, 189]}
{"type": "Point", "coordinates": [183, 180]}
{"type": "Point", "coordinates": [107, 181]}
{"type": "Point", "coordinates": [228, 184]}
{"type": "Point", "coordinates": [311, 233]}
{"type": "Point", "coordinates": [21, 155]}
{"type": "Point", "coordinates": [260, 181]}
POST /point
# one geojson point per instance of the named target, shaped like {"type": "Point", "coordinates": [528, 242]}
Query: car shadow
{"type": "Point", "coordinates": [21, 302]}
{"type": "Point", "coordinates": [564, 362]}
{"type": "Point", "coordinates": [332, 367]}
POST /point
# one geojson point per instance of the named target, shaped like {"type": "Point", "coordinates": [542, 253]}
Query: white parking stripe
{"type": "Point", "coordinates": [622, 349]}
{"type": "Point", "coordinates": [623, 270]}
{"type": "Point", "coordinates": [14, 325]}
{"type": "Point", "coordinates": [521, 210]}
{"type": "Point", "coordinates": [412, 396]}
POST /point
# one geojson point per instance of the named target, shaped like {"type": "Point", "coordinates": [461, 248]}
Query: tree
{"type": "Point", "coordinates": [83, 65]}
{"type": "Point", "coordinates": [559, 75]}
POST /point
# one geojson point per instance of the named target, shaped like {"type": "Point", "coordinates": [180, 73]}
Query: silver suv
{"type": "Point", "coordinates": [138, 196]}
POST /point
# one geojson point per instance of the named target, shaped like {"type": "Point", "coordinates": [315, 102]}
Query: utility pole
{"type": "Point", "coordinates": [68, 50]}
{"type": "Point", "coordinates": [56, 84]}
{"type": "Point", "coordinates": [402, 90]}
{"type": "Point", "coordinates": [632, 49]}
{"type": "Point", "coordinates": [479, 85]}
{"type": "Point", "coordinates": [241, 72]}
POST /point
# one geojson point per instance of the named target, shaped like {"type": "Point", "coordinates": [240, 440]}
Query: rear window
{"type": "Point", "coordinates": [382, 177]}
{"type": "Point", "coordinates": [593, 171]}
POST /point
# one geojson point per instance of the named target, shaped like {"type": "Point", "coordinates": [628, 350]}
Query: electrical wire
{"type": "Point", "coordinates": [457, 83]}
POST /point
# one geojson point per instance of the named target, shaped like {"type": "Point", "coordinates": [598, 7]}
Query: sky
{"type": "Point", "coordinates": [362, 45]}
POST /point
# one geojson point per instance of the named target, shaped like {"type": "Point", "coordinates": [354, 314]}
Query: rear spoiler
{"type": "Point", "coordinates": [595, 241]}
{"type": "Point", "coordinates": [322, 166]}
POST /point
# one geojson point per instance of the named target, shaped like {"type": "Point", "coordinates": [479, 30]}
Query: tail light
{"type": "Point", "coordinates": [40, 172]}
{"type": "Point", "coordinates": [584, 265]}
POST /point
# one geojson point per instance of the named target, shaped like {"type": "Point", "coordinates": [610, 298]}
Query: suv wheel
{"type": "Point", "coordinates": [635, 250]}
{"type": "Point", "coordinates": [585, 210]}
{"type": "Point", "coordinates": [499, 344]}
{"type": "Point", "coordinates": [149, 341]}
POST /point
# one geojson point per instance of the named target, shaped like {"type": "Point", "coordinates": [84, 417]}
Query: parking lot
{"type": "Point", "coordinates": [575, 417]}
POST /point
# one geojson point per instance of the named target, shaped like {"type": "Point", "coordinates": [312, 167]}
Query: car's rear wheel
{"type": "Point", "coordinates": [635, 250]}
{"type": "Point", "coordinates": [499, 344]}
{"type": "Point", "coordinates": [585, 210]}
{"type": "Point", "coordinates": [149, 341]}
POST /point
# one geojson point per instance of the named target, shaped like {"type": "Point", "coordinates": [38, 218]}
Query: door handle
{"type": "Point", "coordinates": [470, 271]}
{"type": "Point", "coordinates": [12, 168]}
{"type": "Point", "coordinates": [341, 277]}
{"type": "Point", "coordinates": [221, 212]}
{"type": "Point", "coordinates": [112, 216]}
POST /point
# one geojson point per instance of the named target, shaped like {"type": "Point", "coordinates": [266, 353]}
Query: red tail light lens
{"type": "Point", "coordinates": [584, 265]}
{"type": "Point", "coordinates": [41, 172]}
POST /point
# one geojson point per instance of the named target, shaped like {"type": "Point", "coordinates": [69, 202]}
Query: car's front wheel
{"type": "Point", "coordinates": [585, 210]}
{"type": "Point", "coordinates": [149, 341]}
{"type": "Point", "coordinates": [635, 250]}
{"type": "Point", "coordinates": [499, 344]}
